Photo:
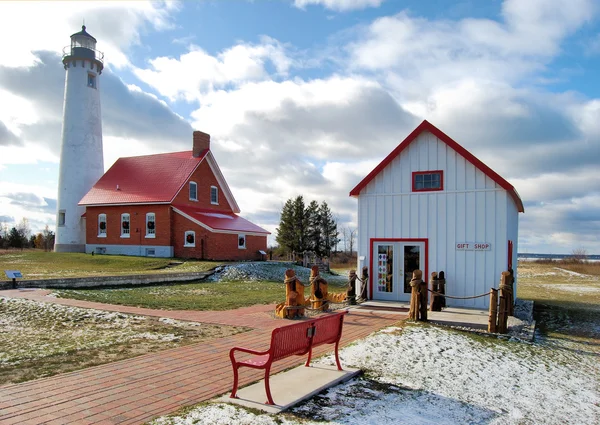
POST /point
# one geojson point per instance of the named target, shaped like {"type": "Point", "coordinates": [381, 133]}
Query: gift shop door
{"type": "Point", "coordinates": [393, 265]}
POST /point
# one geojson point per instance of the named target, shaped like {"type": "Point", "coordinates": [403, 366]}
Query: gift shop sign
{"type": "Point", "coordinates": [473, 246]}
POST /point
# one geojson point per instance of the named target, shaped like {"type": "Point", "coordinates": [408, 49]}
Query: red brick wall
{"type": "Point", "coordinates": [213, 246]}
{"type": "Point", "coordinates": [137, 225]}
{"type": "Point", "coordinates": [204, 178]}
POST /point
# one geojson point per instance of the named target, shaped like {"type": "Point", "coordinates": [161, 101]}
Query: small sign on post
{"type": "Point", "coordinates": [14, 275]}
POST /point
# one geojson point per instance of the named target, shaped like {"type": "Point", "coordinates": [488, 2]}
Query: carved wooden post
{"type": "Point", "coordinates": [415, 282]}
{"type": "Point", "coordinates": [493, 310]}
{"type": "Point", "coordinates": [365, 280]}
{"type": "Point", "coordinates": [504, 299]}
{"type": "Point", "coordinates": [351, 292]}
{"type": "Point", "coordinates": [511, 303]}
{"type": "Point", "coordinates": [442, 289]}
{"type": "Point", "coordinates": [290, 293]}
{"type": "Point", "coordinates": [318, 293]}
{"type": "Point", "coordinates": [435, 300]}
{"type": "Point", "coordinates": [423, 295]}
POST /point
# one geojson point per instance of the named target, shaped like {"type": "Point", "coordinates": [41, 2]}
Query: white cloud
{"type": "Point", "coordinates": [339, 5]}
{"type": "Point", "coordinates": [28, 27]}
{"type": "Point", "coordinates": [195, 73]}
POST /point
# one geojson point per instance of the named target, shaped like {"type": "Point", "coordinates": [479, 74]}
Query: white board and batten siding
{"type": "Point", "coordinates": [471, 208]}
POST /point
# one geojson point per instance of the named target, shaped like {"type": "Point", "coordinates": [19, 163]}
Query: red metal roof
{"type": "Point", "coordinates": [143, 179]}
{"type": "Point", "coordinates": [219, 220]}
{"type": "Point", "coordinates": [427, 126]}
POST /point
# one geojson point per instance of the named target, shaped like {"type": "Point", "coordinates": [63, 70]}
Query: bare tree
{"type": "Point", "coordinates": [580, 254]}
{"type": "Point", "coordinates": [353, 233]}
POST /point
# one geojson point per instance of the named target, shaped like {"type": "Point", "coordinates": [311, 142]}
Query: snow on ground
{"type": "Point", "coordinates": [428, 375]}
{"type": "Point", "coordinates": [25, 325]}
{"type": "Point", "coordinates": [271, 271]}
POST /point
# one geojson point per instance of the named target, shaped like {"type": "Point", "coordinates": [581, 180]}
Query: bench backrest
{"type": "Point", "coordinates": [328, 329]}
{"type": "Point", "coordinates": [290, 340]}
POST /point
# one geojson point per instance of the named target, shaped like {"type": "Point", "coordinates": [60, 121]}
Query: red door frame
{"type": "Point", "coordinates": [426, 240]}
{"type": "Point", "coordinates": [510, 254]}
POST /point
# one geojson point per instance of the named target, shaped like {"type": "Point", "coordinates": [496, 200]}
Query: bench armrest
{"type": "Point", "coordinates": [245, 350]}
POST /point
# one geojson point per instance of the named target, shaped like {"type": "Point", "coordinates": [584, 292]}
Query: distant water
{"type": "Point", "coordinates": [530, 256]}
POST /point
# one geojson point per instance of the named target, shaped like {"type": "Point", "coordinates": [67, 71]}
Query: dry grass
{"type": "Point", "coordinates": [578, 266]}
{"type": "Point", "coordinates": [567, 303]}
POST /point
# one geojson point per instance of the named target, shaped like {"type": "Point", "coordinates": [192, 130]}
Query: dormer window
{"type": "Point", "coordinates": [425, 181]}
{"type": "Point", "coordinates": [193, 191]}
{"type": "Point", "coordinates": [214, 195]}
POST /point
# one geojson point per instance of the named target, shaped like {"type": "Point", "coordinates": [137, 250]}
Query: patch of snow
{"type": "Point", "coordinates": [571, 273]}
{"type": "Point", "coordinates": [431, 375]}
{"type": "Point", "coordinates": [269, 271]}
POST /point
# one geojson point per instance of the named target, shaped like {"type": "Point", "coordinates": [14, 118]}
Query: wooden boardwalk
{"type": "Point", "coordinates": [134, 391]}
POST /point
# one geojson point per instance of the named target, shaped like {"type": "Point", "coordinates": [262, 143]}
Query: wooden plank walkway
{"type": "Point", "coordinates": [135, 390]}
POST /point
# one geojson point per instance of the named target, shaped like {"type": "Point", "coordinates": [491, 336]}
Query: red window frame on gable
{"type": "Point", "coordinates": [427, 189]}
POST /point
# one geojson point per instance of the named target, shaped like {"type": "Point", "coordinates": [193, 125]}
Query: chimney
{"type": "Point", "coordinates": [201, 143]}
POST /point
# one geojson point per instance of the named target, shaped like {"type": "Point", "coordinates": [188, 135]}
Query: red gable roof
{"type": "Point", "coordinates": [144, 179]}
{"type": "Point", "coordinates": [218, 220]}
{"type": "Point", "coordinates": [427, 126]}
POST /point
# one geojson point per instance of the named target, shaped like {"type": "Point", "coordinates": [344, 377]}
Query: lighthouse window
{"type": "Point", "coordinates": [61, 218]}
{"type": "Point", "coordinates": [125, 225]}
{"type": "Point", "coordinates": [92, 81]}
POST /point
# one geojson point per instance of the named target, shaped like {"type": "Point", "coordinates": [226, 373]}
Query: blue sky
{"type": "Point", "coordinates": [307, 96]}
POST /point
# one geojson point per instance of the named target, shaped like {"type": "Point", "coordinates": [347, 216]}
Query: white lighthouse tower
{"type": "Point", "coordinates": [81, 157]}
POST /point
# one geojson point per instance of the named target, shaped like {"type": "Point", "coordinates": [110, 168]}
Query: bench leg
{"type": "Point", "coordinates": [309, 357]}
{"type": "Point", "coordinates": [337, 357]}
{"type": "Point", "coordinates": [267, 386]}
{"type": "Point", "coordinates": [235, 382]}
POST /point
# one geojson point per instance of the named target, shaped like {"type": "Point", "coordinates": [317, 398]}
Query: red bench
{"type": "Point", "coordinates": [297, 339]}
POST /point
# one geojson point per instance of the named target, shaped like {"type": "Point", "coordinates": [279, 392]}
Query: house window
{"type": "Point", "coordinates": [424, 181]}
{"type": "Point", "coordinates": [214, 195]}
{"type": "Point", "coordinates": [125, 225]}
{"type": "Point", "coordinates": [150, 225]}
{"type": "Point", "coordinates": [242, 241]}
{"type": "Point", "coordinates": [92, 81]}
{"type": "Point", "coordinates": [101, 225]}
{"type": "Point", "coordinates": [61, 218]}
{"type": "Point", "coordinates": [189, 239]}
{"type": "Point", "coordinates": [193, 191]}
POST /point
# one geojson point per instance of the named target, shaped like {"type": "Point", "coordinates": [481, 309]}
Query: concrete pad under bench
{"type": "Point", "coordinates": [291, 387]}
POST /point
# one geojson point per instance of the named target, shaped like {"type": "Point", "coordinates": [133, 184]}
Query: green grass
{"type": "Point", "coordinates": [35, 264]}
{"type": "Point", "coordinates": [191, 296]}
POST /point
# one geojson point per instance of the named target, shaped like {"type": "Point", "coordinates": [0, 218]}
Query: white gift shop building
{"type": "Point", "coordinates": [432, 205]}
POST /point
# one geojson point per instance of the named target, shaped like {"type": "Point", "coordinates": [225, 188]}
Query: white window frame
{"type": "Point", "coordinates": [92, 80]}
{"type": "Point", "coordinates": [102, 219]}
{"type": "Point", "coordinates": [244, 244]}
{"type": "Point", "coordinates": [195, 185]}
{"type": "Point", "coordinates": [187, 244]}
{"type": "Point", "coordinates": [150, 217]}
{"type": "Point", "coordinates": [214, 190]}
{"type": "Point", "coordinates": [125, 233]}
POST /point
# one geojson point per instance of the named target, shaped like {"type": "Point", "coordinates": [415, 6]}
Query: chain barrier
{"type": "Point", "coordinates": [458, 298]}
